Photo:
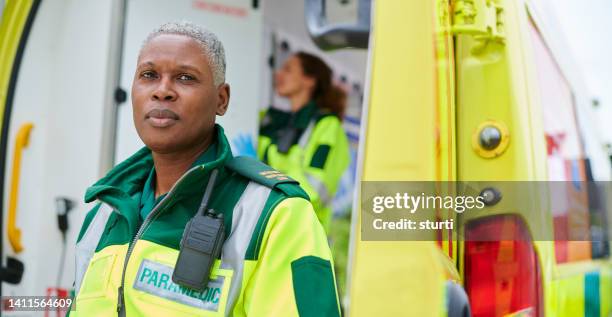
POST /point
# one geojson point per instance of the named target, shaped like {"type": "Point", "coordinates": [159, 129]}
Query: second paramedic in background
{"type": "Point", "coordinates": [307, 143]}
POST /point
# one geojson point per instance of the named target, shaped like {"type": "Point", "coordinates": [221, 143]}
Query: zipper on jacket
{"type": "Point", "coordinates": [145, 224]}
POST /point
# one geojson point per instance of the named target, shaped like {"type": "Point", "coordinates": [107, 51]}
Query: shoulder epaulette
{"type": "Point", "coordinates": [263, 174]}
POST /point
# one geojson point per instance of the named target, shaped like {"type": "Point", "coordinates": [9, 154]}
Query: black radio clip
{"type": "Point", "coordinates": [200, 245]}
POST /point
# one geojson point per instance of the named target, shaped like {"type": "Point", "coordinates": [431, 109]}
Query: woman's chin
{"type": "Point", "coordinates": [162, 145]}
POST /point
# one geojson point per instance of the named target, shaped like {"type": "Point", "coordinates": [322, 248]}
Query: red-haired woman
{"type": "Point", "coordinates": [307, 143]}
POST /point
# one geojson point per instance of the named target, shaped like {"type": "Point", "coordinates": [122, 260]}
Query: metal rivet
{"type": "Point", "coordinates": [490, 138]}
{"type": "Point", "coordinates": [491, 196]}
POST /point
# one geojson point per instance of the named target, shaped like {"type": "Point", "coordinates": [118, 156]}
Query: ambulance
{"type": "Point", "coordinates": [476, 90]}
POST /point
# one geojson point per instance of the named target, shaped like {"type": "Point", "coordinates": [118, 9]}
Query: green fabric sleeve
{"type": "Point", "coordinates": [294, 244]}
{"type": "Point", "coordinates": [313, 287]}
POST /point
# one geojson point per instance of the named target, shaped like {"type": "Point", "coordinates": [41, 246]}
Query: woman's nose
{"type": "Point", "coordinates": [164, 91]}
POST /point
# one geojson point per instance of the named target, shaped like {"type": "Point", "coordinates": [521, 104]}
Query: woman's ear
{"type": "Point", "coordinates": [223, 101]}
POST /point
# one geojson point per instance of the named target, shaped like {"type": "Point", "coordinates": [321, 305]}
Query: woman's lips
{"type": "Point", "coordinates": [161, 122]}
{"type": "Point", "coordinates": [161, 118]}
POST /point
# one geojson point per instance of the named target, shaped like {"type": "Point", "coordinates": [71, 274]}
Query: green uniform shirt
{"type": "Point", "coordinates": [148, 200]}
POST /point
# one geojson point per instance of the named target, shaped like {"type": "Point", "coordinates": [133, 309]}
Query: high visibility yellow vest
{"type": "Point", "coordinates": [275, 260]}
{"type": "Point", "coordinates": [317, 158]}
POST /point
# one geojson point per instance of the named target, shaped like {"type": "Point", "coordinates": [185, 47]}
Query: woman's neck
{"type": "Point", "coordinates": [169, 167]}
{"type": "Point", "coordinates": [299, 100]}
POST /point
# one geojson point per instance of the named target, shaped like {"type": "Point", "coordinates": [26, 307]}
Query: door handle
{"type": "Point", "coordinates": [21, 141]}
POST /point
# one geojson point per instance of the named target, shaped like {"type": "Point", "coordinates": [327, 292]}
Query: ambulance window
{"type": "Point", "coordinates": [577, 218]}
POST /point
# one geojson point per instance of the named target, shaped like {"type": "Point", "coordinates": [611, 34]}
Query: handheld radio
{"type": "Point", "coordinates": [201, 244]}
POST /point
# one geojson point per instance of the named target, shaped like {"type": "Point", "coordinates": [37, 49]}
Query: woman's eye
{"type": "Point", "coordinates": [148, 74]}
{"type": "Point", "coordinates": [185, 77]}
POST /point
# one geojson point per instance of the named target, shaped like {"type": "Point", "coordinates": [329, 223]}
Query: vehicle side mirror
{"type": "Point", "coordinates": [334, 36]}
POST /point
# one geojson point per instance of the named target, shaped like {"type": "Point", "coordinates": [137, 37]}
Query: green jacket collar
{"type": "Point", "coordinates": [128, 177]}
{"type": "Point", "coordinates": [303, 116]}
{"type": "Point", "coordinates": [148, 199]}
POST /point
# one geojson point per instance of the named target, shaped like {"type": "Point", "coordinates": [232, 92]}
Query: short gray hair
{"type": "Point", "coordinates": [210, 43]}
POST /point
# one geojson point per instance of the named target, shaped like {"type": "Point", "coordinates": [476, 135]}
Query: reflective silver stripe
{"type": "Point", "coordinates": [324, 197]}
{"type": "Point", "coordinates": [86, 247]}
{"type": "Point", "coordinates": [306, 135]}
{"type": "Point", "coordinates": [315, 183]}
{"type": "Point", "coordinates": [244, 219]}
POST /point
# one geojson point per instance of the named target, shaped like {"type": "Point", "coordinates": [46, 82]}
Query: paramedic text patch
{"type": "Point", "coordinates": [156, 279]}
